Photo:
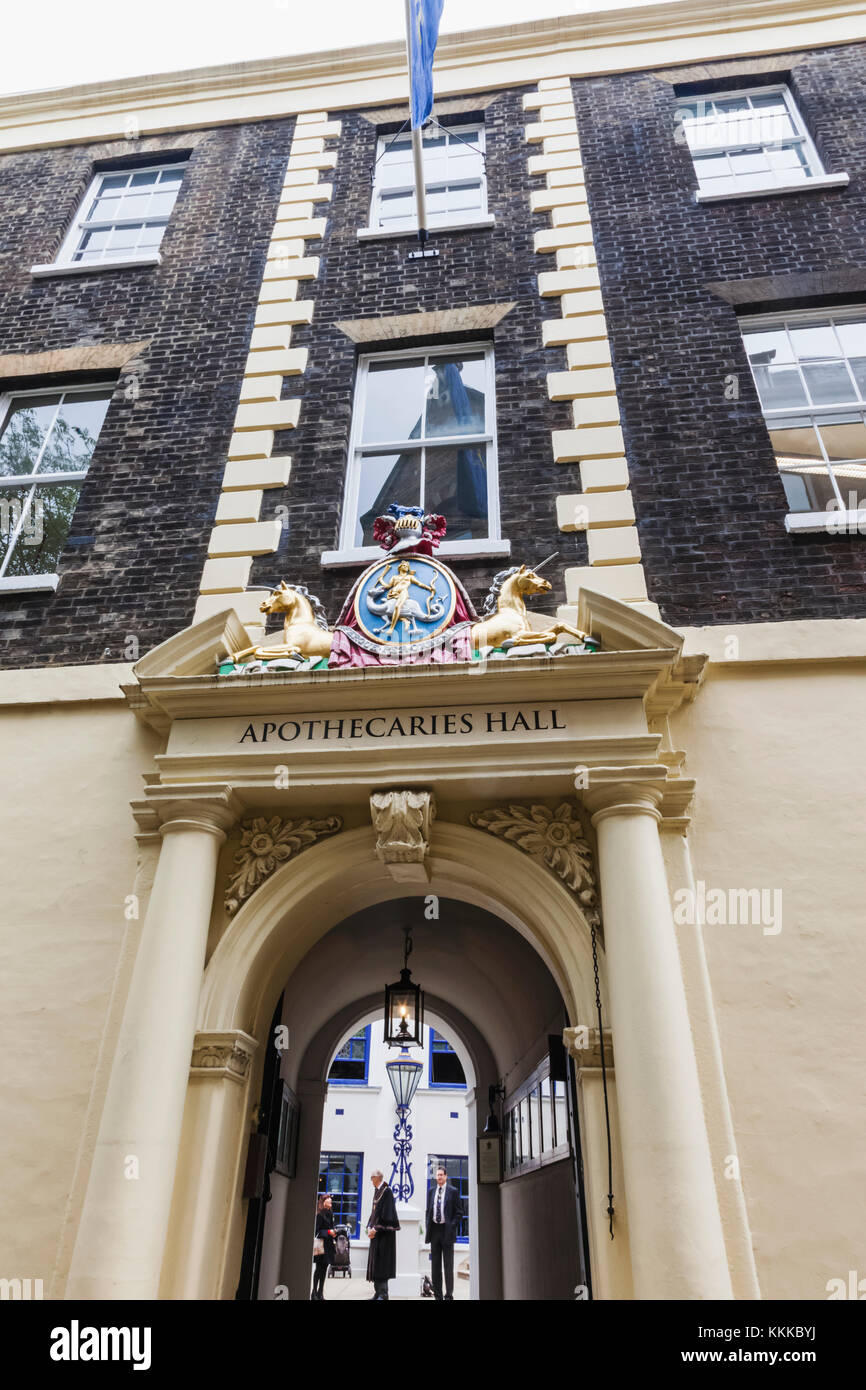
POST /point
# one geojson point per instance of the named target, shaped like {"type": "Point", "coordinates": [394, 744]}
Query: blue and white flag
{"type": "Point", "coordinates": [424, 16]}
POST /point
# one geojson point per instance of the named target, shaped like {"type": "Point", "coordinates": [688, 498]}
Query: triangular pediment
{"type": "Point", "coordinates": [194, 651]}
{"type": "Point", "coordinates": [622, 627]}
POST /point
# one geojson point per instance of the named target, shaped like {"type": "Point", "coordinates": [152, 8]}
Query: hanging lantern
{"type": "Point", "coordinates": [404, 1006]}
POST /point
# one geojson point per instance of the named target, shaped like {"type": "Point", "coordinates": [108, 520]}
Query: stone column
{"type": "Point", "coordinates": [119, 1248]}
{"type": "Point", "coordinates": [675, 1231]}
{"type": "Point", "coordinates": [610, 1261]}
{"type": "Point", "coordinates": [217, 1108]}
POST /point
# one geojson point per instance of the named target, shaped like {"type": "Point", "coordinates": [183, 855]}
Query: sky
{"type": "Point", "coordinates": [61, 43]}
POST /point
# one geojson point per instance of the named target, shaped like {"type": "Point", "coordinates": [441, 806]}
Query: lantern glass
{"type": "Point", "coordinates": [404, 1013]}
{"type": "Point", "coordinates": [404, 1076]}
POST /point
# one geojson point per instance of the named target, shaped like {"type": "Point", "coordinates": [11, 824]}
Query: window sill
{"type": "Point", "coordinates": [377, 234]}
{"type": "Point", "coordinates": [79, 268]}
{"type": "Point", "coordinates": [360, 1086]}
{"type": "Point", "coordinates": [824, 181]}
{"type": "Point", "coordinates": [29, 584]}
{"type": "Point", "coordinates": [455, 550]}
{"type": "Point", "coordinates": [836, 523]}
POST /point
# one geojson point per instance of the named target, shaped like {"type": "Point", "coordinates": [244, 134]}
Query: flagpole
{"type": "Point", "coordinates": [417, 152]}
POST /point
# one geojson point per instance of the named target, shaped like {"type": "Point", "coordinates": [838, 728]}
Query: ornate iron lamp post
{"type": "Point", "coordinates": [404, 1075]}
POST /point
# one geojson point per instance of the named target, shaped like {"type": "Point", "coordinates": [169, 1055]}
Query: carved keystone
{"type": "Point", "coordinates": [402, 821]}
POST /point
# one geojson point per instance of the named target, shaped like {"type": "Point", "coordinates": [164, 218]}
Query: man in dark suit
{"type": "Point", "coordinates": [444, 1214]}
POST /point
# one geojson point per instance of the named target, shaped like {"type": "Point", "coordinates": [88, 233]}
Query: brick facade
{"type": "Point", "coordinates": [133, 560]}
{"type": "Point", "coordinates": [709, 502]}
{"type": "Point", "coordinates": [367, 279]}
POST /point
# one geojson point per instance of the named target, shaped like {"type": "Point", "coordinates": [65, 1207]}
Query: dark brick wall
{"type": "Point", "coordinates": [710, 506]}
{"type": "Point", "coordinates": [365, 279]}
{"type": "Point", "coordinates": [139, 535]}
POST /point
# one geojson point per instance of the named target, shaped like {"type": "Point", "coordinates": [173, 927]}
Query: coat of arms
{"type": "Point", "coordinates": [408, 608]}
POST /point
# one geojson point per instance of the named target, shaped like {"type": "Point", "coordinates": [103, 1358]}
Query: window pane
{"type": "Point", "coordinates": [397, 210]}
{"type": "Point", "coordinates": [548, 1137]}
{"type": "Point", "coordinates": [805, 476]}
{"type": "Point", "coordinates": [144, 179]}
{"type": "Point", "coordinates": [339, 1174]}
{"type": "Point", "coordinates": [538, 1127]}
{"type": "Point", "coordinates": [24, 431]}
{"type": "Point", "coordinates": [815, 342]}
{"type": "Point", "coordinates": [105, 208]}
{"type": "Point", "coordinates": [122, 239]}
{"type": "Point", "coordinates": [464, 198]}
{"type": "Point", "coordinates": [395, 401]}
{"type": "Point", "coordinates": [46, 526]}
{"type": "Point", "coordinates": [455, 395]}
{"type": "Point", "coordinates": [455, 486]}
{"type": "Point", "coordinates": [151, 236]}
{"type": "Point", "coordinates": [771, 345]}
{"type": "Point", "coordinates": [76, 429]}
{"type": "Point", "coordinates": [845, 440]}
{"type": "Point", "coordinates": [753, 162]}
{"type": "Point", "coordinates": [95, 241]}
{"type": "Point", "coordinates": [386, 478]}
{"type": "Point", "coordinates": [113, 181]}
{"type": "Point", "coordinates": [161, 204]}
{"type": "Point", "coordinates": [525, 1130]}
{"type": "Point", "coordinates": [711, 167]}
{"type": "Point", "coordinates": [779, 387]}
{"type": "Point", "coordinates": [137, 206]}
{"type": "Point", "coordinates": [445, 1067]}
{"type": "Point", "coordinates": [13, 505]}
{"type": "Point", "coordinates": [790, 160]}
{"type": "Point", "coordinates": [829, 383]}
{"type": "Point", "coordinates": [852, 336]}
{"type": "Point", "coordinates": [560, 1112]}
{"type": "Point", "coordinates": [350, 1063]}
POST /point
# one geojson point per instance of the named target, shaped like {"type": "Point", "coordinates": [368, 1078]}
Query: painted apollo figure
{"type": "Point", "coordinates": [382, 1229]}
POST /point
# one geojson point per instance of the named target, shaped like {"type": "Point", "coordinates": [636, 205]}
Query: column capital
{"type": "Point", "coordinates": [582, 1043]}
{"type": "Point", "coordinates": [630, 790]}
{"type": "Point", "coordinates": [167, 809]}
{"type": "Point", "coordinates": [223, 1055]}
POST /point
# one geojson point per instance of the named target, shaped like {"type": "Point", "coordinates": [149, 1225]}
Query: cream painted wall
{"type": "Point", "coordinates": [70, 860]}
{"type": "Point", "coordinates": [780, 768]}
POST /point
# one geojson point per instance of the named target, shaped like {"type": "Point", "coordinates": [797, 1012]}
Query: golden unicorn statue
{"type": "Point", "coordinates": [505, 618]}
{"type": "Point", "coordinates": [305, 627]}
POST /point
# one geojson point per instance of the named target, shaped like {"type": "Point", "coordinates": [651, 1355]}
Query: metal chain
{"type": "Point", "coordinates": [610, 1211]}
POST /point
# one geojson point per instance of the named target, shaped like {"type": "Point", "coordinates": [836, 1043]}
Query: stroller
{"type": "Point", "coordinates": [342, 1253]}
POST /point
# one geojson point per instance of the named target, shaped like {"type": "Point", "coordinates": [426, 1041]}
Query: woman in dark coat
{"type": "Point", "coordinates": [382, 1229]}
{"type": "Point", "coordinates": [325, 1232]}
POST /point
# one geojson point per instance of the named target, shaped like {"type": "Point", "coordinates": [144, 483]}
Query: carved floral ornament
{"type": "Point", "coordinates": [556, 838]}
{"type": "Point", "coordinates": [265, 845]}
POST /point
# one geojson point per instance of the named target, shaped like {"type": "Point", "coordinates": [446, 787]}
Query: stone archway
{"type": "Point", "coordinates": [266, 941]}
{"type": "Point", "coordinates": [294, 1215]}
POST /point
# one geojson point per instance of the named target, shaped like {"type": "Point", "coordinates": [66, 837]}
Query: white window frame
{"type": "Point", "coordinates": [64, 263]}
{"type": "Point", "coordinates": [482, 218]}
{"type": "Point", "coordinates": [49, 581]}
{"type": "Point", "coordinates": [844, 520]}
{"type": "Point", "coordinates": [492, 544]}
{"type": "Point", "coordinates": [819, 177]}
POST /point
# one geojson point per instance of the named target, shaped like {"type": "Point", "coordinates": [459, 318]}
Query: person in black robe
{"type": "Point", "coordinates": [382, 1230]}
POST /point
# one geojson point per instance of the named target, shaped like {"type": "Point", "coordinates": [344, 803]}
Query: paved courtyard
{"type": "Point", "coordinates": [341, 1287]}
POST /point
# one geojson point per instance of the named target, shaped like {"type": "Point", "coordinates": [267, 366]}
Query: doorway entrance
{"type": "Point", "coordinates": [492, 1008]}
